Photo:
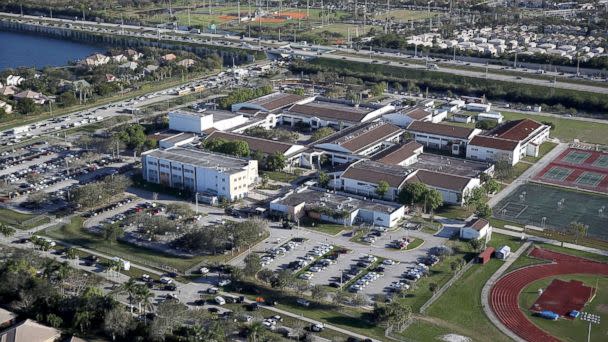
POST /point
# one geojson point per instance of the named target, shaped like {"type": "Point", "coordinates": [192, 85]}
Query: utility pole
{"type": "Point", "coordinates": [239, 10]}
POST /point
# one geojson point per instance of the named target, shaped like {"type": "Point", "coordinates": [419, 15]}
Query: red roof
{"type": "Point", "coordinates": [517, 130]}
{"type": "Point", "coordinates": [494, 142]}
{"type": "Point", "coordinates": [487, 253]}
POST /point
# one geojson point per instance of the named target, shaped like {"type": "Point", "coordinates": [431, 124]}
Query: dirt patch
{"type": "Point", "coordinates": [270, 20]}
{"type": "Point", "coordinates": [227, 17]}
{"type": "Point", "coordinates": [295, 14]}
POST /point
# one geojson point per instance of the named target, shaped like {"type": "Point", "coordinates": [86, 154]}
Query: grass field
{"type": "Point", "coordinates": [567, 129]}
{"type": "Point", "coordinates": [324, 227]}
{"type": "Point", "coordinates": [571, 330]}
{"type": "Point", "coordinates": [451, 307]}
{"type": "Point", "coordinates": [21, 220]}
{"type": "Point", "coordinates": [72, 233]}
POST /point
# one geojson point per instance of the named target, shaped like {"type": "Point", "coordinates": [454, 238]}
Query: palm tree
{"type": "Point", "coordinates": [129, 288]}
{"type": "Point", "coordinates": [143, 295]}
{"type": "Point", "coordinates": [256, 331]}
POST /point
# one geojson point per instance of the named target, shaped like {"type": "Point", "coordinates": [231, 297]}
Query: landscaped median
{"type": "Point", "coordinates": [74, 234]}
{"type": "Point", "coordinates": [20, 220]}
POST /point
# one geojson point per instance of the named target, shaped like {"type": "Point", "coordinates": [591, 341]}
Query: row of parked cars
{"type": "Point", "coordinates": [284, 249]}
{"type": "Point", "coordinates": [108, 207]}
{"type": "Point", "coordinates": [314, 256]}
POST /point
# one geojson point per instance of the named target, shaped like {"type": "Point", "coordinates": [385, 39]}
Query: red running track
{"type": "Point", "coordinates": [504, 296]}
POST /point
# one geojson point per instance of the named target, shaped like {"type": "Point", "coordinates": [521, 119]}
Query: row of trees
{"type": "Point", "coordinates": [243, 95]}
{"type": "Point", "coordinates": [98, 193]}
{"type": "Point", "coordinates": [418, 193]}
{"type": "Point", "coordinates": [273, 134]}
{"type": "Point", "coordinates": [217, 239]}
{"type": "Point", "coordinates": [444, 82]}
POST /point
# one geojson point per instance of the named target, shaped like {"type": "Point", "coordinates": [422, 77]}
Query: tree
{"type": "Point", "coordinates": [38, 198]}
{"type": "Point", "coordinates": [433, 287]}
{"type": "Point", "coordinates": [318, 292]}
{"type": "Point", "coordinates": [483, 210]}
{"type": "Point", "coordinates": [378, 88]}
{"type": "Point", "coordinates": [70, 253]}
{"type": "Point", "coordinates": [503, 170]}
{"type": "Point", "coordinates": [6, 230]}
{"type": "Point", "coordinates": [67, 99]}
{"type": "Point", "coordinates": [475, 244]}
{"type": "Point", "coordinates": [412, 193]}
{"type": "Point", "coordinates": [26, 106]}
{"type": "Point", "coordinates": [394, 315]}
{"type": "Point", "coordinates": [283, 279]}
{"type": "Point", "coordinates": [432, 199]}
{"type": "Point", "coordinates": [54, 320]}
{"type": "Point", "coordinates": [323, 179]}
{"type": "Point", "coordinates": [111, 232]}
{"type": "Point", "coordinates": [253, 264]}
{"type": "Point", "coordinates": [382, 188]}
{"type": "Point", "coordinates": [275, 162]}
{"type": "Point", "coordinates": [134, 136]}
{"type": "Point", "coordinates": [169, 315]}
{"type": "Point", "coordinates": [322, 133]}
{"type": "Point", "coordinates": [117, 322]}
{"type": "Point", "coordinates": [491, 186]}
{"type": "Point", "coordinates": [579, 229]}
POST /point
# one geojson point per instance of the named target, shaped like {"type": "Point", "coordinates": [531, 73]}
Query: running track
{"type": "Point", "coordinates": [504, 295]}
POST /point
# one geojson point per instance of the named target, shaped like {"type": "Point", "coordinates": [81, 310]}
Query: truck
{"type": "Point", "coordinates": [19, 130]}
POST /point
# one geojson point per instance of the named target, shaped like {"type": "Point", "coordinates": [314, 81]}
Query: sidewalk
{"type": "Point", "coordinates": [485, 292]}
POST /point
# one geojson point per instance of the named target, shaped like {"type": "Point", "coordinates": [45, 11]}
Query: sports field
{"type": "Point", "coordinates": [578, 168]}
{"type": "Point", "coordinates": [555, 208]}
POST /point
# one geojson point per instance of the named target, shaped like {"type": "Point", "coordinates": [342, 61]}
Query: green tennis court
{"type": "Point", "coordinates": [529, 203]}
{"type": "Point", "coordinates": [589, 179]}
{"type": "Point", "coordinates": [557, 173]}
{"type": "Point", "coordinates": [601, 161]}
{"type": "Point", "coordinates": [576, 157]}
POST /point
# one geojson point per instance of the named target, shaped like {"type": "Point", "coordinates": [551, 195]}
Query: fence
{"type": "Point", "coordinates": [446, 286]}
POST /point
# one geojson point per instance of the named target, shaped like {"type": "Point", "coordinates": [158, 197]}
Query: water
{"type": "Point", "coordinates": [19, 49]}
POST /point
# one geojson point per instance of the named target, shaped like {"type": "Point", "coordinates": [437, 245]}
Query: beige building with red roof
{"type": "Point", "coordinates": [476, 229]}
{"type": "Point", "coordinates": [442, 136]}
{"type": "Point", "coordinates": [511, 142]}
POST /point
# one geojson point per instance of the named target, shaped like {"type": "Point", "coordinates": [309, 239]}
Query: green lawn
{"type": "Point", "coordinates": [414, 244]}
{"type": "Point", "coordinates": [324, 227]}
{"type": "Point", "coordinates": [453, 212]}
{"type": "Point", "coordinates": [570, 330]}
{"type": "Point", "coordinates": [461, 304]}
{"type": "Point", "coordinates": [422, 331]}
{"type": "Point", "coordinates": [280, 176]}
{"type": "Point", "coordinates": [21, 220]}
{"type": "Point", "coordinates": [519, 168]}
{"type": "Point", "coordinates": [544, 148]}
{"type": "Point", "coordinates": [567, 129]}
{"type": "Point", "coordinates": [72, 233]}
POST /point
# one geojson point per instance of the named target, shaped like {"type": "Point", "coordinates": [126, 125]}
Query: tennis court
{"type": "Point", "coordinates": [576, 157]}
{"type": "Point", "coordinates": [577, 169]}
{"type": "Point", "coordinates": [555, 208]}
{"type": "Point", "coordinates": [557, 173]}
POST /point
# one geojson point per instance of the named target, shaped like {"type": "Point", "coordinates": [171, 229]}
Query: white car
{"type": "Point", "coordinates": [224, 282]}
{"type": "Point", "coordinates": [388, 262]}
{"type": "Point", "coordinates": [166, 280]}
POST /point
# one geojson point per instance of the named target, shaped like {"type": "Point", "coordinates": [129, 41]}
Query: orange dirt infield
{"type": "Point", "coordinates": [228, 17]}
{"type": "Point", "coordinates": [295, 15]}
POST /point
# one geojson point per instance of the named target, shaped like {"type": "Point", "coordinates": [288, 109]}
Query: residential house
{"type": "Point", "coordinates": [133, 54]}
{"type": "Point", "coordinates": [475, 229]}
{"type": "Point", "coordinates": [150, 68]}
{"type": "Point", "coordinates": [28, 331]}
{"type": "Point", "coordinates": [6, 107]}
{"type": "Point", "coordinates": [14, 80]}
{"type": "Point", "coordinates": [38, 98]}
{"type": "Point", "coordinates": [96, 60]}
{"type": "Point", "coordinates": [129, 65]}
{"type": "Point", "coordinates": [186, 63]}
{"type": "Point", "coordinates": [9, 90]}
{"type": "Point", "coordinates": [120, 58]}
{"type": "Point", "coordinates": [110, 78]}
{"type": "Point", "coordinates": [168, 57]}
{"type": "Point", "coordinates": [442, 136]}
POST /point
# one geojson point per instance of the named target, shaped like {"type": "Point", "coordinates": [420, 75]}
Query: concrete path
{"type": "Point", "coordinates": [528, 174]}
{"type": "Point", "coordinates": [485, 292]}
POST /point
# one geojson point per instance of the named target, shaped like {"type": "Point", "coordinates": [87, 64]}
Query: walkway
{"type": "Point", "coordinates": [528, 174]}
{"type": "Point", "coordinates": [490, 283]}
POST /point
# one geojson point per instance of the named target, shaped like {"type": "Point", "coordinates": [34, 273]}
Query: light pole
{"type": "Point", "coordinates": [591, 318]}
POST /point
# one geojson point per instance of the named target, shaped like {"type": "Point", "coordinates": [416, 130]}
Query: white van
{"type": "Point", "coordinates": [220, 300]}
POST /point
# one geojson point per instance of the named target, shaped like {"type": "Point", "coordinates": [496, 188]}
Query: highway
{"type": "Point", "coordinates": [284, 47]}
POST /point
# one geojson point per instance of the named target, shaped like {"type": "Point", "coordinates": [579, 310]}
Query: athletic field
{"type": "Point", "coordinates": [555, 208]}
